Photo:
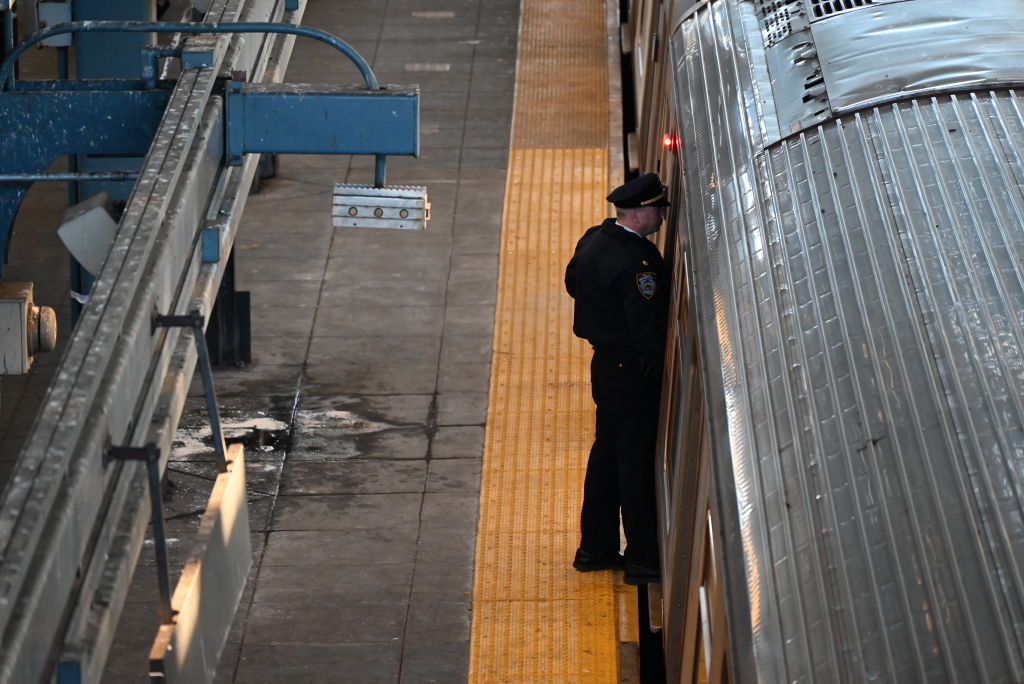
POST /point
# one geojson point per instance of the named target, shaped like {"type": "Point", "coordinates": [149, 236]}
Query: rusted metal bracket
{"type": "Point", "coordinates": [150, 455]}
{"type": "Point", "coordinates": [194, 320]}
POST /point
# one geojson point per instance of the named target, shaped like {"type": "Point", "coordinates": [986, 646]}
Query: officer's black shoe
{"type": "Point", "coordinates": [641, 574]}
{"type": "Point", "coordinates": [588, 562]}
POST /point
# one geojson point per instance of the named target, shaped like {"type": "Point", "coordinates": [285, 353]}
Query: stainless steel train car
{"type": "Point", "coordinates": [842, 461]}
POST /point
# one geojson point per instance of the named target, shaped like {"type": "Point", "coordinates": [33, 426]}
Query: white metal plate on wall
{"type": "Point", "coordinates": [15, 304]}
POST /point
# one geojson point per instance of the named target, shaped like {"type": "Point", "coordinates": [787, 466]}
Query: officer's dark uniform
{"type": "Point", "coordinates": [620, 285]}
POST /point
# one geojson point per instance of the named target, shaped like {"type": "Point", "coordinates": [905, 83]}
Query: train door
{"type": "Point", "coordinates": [693, 601]}
{"type": "Point", "coordinates": [693, 606]}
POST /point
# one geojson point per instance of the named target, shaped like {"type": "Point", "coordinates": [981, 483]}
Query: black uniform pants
{"type": "Point", "coordinates": [620, 472]}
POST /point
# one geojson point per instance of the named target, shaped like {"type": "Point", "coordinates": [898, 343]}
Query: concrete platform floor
{"type": "Point", "coordinates": [363, 412]}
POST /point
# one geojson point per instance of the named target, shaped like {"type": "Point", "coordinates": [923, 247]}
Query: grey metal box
{"type": "Point", "coordinates": [53, 13]}
{"type": "Point", "coordinates": [15, 305]}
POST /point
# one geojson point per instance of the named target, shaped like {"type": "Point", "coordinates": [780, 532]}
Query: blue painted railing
{"type": "Point", "coordinates": [7, 70]}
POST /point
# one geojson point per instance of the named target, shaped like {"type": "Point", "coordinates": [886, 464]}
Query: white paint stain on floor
{"type": "Point", "coordinates": [332, 419]}
{"type": "Point", "coordinates": [195, 441]}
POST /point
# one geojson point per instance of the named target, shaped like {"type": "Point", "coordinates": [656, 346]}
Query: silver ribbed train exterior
{"type": "Point", "coordinates": [842, 492]}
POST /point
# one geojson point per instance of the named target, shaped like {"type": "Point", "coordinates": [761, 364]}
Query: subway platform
{"type": "Point", "coordinates": [378, 369]}
{"type": "Point", "coordinates": [363, 411]}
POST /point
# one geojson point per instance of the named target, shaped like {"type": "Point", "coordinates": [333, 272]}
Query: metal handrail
{"type": "Point", "coordinates": [105, 176]}
{"type": "Point", "coordinates": [7, 69]}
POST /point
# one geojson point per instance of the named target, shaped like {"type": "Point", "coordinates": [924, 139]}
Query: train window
{"type": "Point", "coordinates": [674, 420]}
{"type": "Point", "coordinates": [717, 634]}
{"type": "Point", "coordinates": [687, 285]}
{"type": "Point", "coordinates": [694, 403]}
{"type": "Point", "coordinates": [683, 312]}
{"type": "Point", "coordinates": [705, 630]}
{"type": "Point", "coordinates": [640, 61]}
{"type": "Point", "coordinates": [683, 441]}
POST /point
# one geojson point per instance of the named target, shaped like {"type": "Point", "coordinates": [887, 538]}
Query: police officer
{"type": "Point", "coordinates": [620, 285]}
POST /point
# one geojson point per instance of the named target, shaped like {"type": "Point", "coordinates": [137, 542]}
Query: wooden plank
{"type": "Point", "coordinates": [211, 585]}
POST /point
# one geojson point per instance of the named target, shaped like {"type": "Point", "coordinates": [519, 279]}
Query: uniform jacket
{"type": "Point", "coordinates": [620, 286]}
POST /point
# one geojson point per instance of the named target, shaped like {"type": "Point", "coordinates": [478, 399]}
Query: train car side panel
{"type": "Point", "coordinates": [858, 289]}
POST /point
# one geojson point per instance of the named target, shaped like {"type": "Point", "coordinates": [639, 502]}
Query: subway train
{"type": "Point", "coordinates": [841, 459]}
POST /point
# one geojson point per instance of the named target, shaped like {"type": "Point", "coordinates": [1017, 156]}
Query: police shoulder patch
{"type": "Point", "coordinates": [646, 283]}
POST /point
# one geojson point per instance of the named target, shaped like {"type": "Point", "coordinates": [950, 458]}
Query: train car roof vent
{"type": "Point", "coordinates": [777, 19]}
{"type": "Point", "coordinates": [823, 8]}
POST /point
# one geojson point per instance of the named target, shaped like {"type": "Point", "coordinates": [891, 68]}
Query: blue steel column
{"type": "Point", "coordinates": [9, 38]}
{"type": "Point", "coordinates": [111, 55]}
{"type": "Point", "coordinates": [79, 278]}
{"type": "Point", "coordinates": [114, 55]}
{"type": "Point", "coordinates": [63, 73]}
{"type": "Point", "coordinates": [105, 56]}
{"type": "Point", "coordinates": [8, 31]}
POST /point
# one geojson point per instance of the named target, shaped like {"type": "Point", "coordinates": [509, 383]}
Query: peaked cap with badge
{"type": "Point", "coordinates": [643, 191]}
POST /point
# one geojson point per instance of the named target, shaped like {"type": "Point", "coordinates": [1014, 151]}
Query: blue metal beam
{"type": "Point", "coordinates": [105, 176]}
{"type": "Point", "coordinates": [321, 119]}
{"type": "Point", "coordinates": [42, 124]}
{"type": "Point", "coordinates": [25, 113]}
{"type": "Point", "coordinates": [57, 119]}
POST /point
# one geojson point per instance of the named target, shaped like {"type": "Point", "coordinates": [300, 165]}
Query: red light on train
{"type": "Point", "coordinates": [670, 141]}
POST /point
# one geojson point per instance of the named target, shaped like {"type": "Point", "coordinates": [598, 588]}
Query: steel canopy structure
{"type": "Point", "coordinates": [72, 519]}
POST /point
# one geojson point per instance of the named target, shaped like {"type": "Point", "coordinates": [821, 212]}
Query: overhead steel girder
{"type": "Point", "coordinates": [58, 118]}
{"type": "Point", "coordinates": [71, 527]}
{"type": "Point", "coordinates": [102, 117]}
{"type": "Point", "coordinates": [46, 119]}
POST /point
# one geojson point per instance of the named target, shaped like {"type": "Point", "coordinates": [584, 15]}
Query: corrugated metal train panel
{"type": "Point", "coordinates": [860, 290]}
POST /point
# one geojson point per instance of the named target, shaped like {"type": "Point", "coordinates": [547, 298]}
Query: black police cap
{"type": "Point", "coordinates": [643, 191]}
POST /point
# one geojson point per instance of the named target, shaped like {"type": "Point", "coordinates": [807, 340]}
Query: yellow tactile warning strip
{"type": "Point", "coordinates": [561, 76]}
{"type": "Point", "coordinates": [535, 619]}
